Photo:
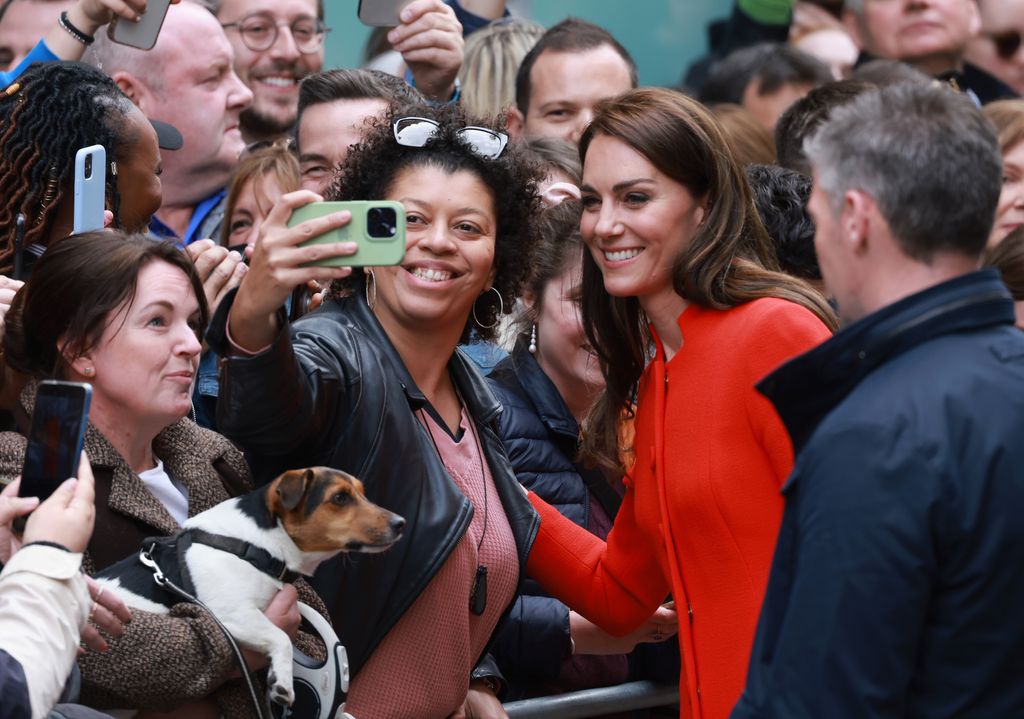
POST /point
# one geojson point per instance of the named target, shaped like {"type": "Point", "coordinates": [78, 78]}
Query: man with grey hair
{"type": "Point", "coordinates": [898, 578]}
{"type": "Point", "coordinates": [931, 35]}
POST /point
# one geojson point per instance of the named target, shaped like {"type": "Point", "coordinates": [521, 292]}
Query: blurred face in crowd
{"type": "Point", "coordinates": [326, 132]}
{"type": "Point", "coordinates": [138, 173]}
{"type": "Point", "coordinates": [565, 87]}
{"type": "Point", "coordinates": [562, 348]}
{"type": "Point", "coordinates": [24, 22]}
{"type": "Point", "coordinates": [931, 34]}
{"type": "Point", "coordinates": [999, 48]}
{"type": "Point", "coordinates": [768, 108]}
{"type": "Point", "coordinates": [199, 93]}
{"type": "Point", "coordinates": [255, 200]}
{"type": "Point", "coordinates": [147, 356]}
{"type": "Point", "coordinates": [1010, 210]}
{"type": "Point", "coordinates": [636, 220]}
{"type": "Point", "coordinates": [272, 74]}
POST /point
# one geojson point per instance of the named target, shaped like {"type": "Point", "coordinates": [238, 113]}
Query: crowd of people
{"type": "Point", "coordinates": [719, 385]}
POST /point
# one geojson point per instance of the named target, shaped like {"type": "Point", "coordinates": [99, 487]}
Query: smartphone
{"type": "Point", "coordinates": [90, 188]}
{"type": "Point", "coordinates": [141, 33]}
{"type": "Point", "coordinates": [381, 13]}
{"type": "Point", "coordinates": [377, 226]}
{"type": "Point", "coordinates": [55, 438]}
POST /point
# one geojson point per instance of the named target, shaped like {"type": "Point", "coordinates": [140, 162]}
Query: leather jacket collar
{"type": "Point", "coordinates": [807, 388]}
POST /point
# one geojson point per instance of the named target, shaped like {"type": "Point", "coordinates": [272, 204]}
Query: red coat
{"type": "Point", "coordinates": [702, 508]}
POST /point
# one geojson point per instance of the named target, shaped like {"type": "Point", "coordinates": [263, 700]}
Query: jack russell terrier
{"type": "Point", "coordinates": [236, 556]}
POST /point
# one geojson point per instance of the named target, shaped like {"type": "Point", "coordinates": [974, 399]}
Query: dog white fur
{"type": "Point", "coordinates": [236, 591]}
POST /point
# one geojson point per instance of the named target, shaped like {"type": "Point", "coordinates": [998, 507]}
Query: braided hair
{"type": "Point", "coordinates": [46, 116]}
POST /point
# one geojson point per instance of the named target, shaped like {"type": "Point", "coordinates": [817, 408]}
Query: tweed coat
{"type": "Point", "coordinates": [161, 661]}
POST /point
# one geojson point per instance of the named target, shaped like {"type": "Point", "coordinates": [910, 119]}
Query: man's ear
{"type": "Point", "coordinates": [134, 88]}
{"type": "Point", "coordinates": [858, 214]}
{"type": "Point", "coordinates": [515, 123]}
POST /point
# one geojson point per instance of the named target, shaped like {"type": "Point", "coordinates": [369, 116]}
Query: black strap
{"type": "Point", "coordinates": [258, 557]}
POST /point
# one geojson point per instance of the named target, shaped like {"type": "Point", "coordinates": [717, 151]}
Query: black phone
{"type": "Point", "coordinates": [55, 438]}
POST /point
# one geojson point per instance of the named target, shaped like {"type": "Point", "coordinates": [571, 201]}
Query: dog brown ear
{"type": "Point", "coordinates": [292, 486]}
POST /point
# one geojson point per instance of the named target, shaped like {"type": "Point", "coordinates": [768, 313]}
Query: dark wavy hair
{"type": "Point", "coordinates": [373, 165]}
{"type": "Point", "coordinates": [729, 260]}
{"type": "Point", "coordinates": [53, 110]}
{"type": "Point", "coordinates": [93, 274]}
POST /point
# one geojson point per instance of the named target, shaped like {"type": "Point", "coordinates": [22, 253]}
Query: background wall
{"type": "Point", "coordinates": [664, 36]}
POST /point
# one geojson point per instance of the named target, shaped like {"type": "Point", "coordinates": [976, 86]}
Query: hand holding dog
{"type": "Point", "coordinates": [109, 613]}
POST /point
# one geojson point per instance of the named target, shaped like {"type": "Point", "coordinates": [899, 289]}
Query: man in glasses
{"type": "Point", "coordinates": [931, 35]}
{"type": "Point", "coordinates": [999, 49]}
{"type": "Point", "coordinates": [279, 42]}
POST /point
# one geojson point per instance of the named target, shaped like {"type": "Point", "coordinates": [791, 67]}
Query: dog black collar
{"type": "Point", "coordinates": [260, 558]}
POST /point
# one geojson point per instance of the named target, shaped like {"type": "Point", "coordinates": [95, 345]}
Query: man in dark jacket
{"type": "Point", "coordinates": [898, 578]}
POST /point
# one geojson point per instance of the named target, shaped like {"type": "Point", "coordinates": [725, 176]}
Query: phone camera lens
{"type": "Point", "coordinates": [381, 222]}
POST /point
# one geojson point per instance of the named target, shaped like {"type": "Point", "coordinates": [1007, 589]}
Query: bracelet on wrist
{"type": "Point", "coordinates": [73, 31]}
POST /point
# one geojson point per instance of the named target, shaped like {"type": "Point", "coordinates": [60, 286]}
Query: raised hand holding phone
{"type": "Point", "coordinates": [279, 264]}
{"type": "Point", "coordinates": [142, 32]}
{"type": "Point", "coordinates": [55, 438]}
{"type": "Point", "coordinates": [90, 188]}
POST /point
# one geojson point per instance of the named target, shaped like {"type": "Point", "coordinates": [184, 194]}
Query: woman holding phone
{"type": "Point", "coordinates": [128, 322]}
{"type": "Point", "coordinates": [371, 383]}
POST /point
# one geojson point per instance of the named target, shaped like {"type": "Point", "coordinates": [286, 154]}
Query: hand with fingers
{"type": "Point", "coordinates": [588, 638]}
{"type": "Point", "coordinates": [277, 267]}
{"type": "Point", "coordinates": [101, 12]}
{"type": "Point", "coordinates": [220, 270]}
{"type": "Point", "coordinates": [430, 41]}
{"type": "Point", "coordinates": [108, 613]}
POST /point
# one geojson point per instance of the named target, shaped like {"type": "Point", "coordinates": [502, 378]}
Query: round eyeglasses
{"type": "Point", "coordinates": [417, 131]}
{"type": "Point", "coordinates": [259, 32]}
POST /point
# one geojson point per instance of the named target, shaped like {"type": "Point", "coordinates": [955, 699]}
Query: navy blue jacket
{"type": "Point", "coordinates": [14, 700]}
{"type": "Point", "coordinates": [541, 438]}
{"type": "Point", "coordinates": [898, 580]}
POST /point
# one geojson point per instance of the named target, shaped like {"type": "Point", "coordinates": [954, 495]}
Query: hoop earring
{"type": "Point", "coordinates": [501, 311]}
{"type": "Point", "coordinates": [370, 280]}
{"type": "Point", "coordinates": [533, 340]}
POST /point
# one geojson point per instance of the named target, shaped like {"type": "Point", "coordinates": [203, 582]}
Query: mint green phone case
{"type": "Point", "coordinates": [373, 250]}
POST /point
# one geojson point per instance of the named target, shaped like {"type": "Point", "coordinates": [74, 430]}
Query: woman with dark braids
{"type": "Point", "coordinates": [52, 111]}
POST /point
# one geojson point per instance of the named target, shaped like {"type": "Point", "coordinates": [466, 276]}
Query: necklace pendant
{"type": "Point", "coordinates": [478, 595]}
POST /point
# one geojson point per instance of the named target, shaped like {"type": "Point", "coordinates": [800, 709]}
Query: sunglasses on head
{"type": "Point", "coordinates": [1006, 43]}
{"type": "Point", "coordinates": [417, 132]}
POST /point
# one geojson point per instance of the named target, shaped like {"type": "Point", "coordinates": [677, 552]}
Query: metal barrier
{"type": "Point", "coordinates": [596, 702]}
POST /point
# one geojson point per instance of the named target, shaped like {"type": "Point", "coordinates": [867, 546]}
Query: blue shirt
{"type": "Point", "coordinates": [206, 217]}
{"type": "Point", "coordinates": [40, 53]}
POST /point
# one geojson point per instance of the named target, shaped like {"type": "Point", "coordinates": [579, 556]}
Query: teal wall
{"type": "Point", "coordinates": [664, 36]}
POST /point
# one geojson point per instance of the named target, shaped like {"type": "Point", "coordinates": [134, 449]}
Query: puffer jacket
{"type": "Point", "coordinates": [541, 437]}
{"type": "Point", "coordinates": [332, 390]}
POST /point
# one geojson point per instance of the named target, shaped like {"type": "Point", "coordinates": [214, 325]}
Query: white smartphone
{"type": "Point", "coordinates": [143, 32]}
{"type": "Point", "coordinates": [90, 188]}
{"type": "Point", "coordinates": [381, 13]}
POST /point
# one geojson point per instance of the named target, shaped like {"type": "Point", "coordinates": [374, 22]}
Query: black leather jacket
{"type": "Point", "coordinates": [333, 391]}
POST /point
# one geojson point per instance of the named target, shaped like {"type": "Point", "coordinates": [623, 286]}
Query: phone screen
{"type": "Point", "coordinates": [55, 440]}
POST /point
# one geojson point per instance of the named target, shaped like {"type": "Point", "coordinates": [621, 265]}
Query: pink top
{"type": "Point", "coordinates": [421, 669]}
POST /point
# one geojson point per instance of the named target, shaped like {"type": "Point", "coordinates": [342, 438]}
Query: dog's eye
{"type": "Point", "coordinates": [341, 498]}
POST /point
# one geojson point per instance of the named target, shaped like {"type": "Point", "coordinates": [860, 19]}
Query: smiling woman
{"type": "Point", "coordinates": [371, 383]}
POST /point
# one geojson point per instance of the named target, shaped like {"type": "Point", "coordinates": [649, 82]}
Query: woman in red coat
{"type": "Point", "coordinates": [680, 266]}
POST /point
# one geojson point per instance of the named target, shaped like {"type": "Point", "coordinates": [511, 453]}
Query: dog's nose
{"type": "Point", "coordinates": [397, 524]}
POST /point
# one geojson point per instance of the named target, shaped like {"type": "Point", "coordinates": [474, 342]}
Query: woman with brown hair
{"type": "Point", "coordinates": [680, 267]}
{"type": "Point", "coordinates": [129, 323]}
{"type": "Point", "coordinates": [1008, 118]}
